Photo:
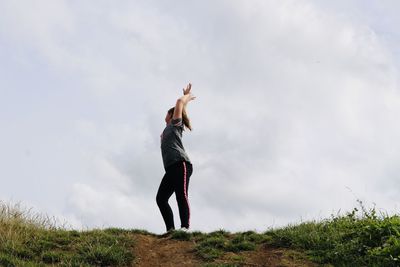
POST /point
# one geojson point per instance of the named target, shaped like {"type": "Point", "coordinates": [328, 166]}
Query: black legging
{"type": "Point", "coordinates": [176, 179]}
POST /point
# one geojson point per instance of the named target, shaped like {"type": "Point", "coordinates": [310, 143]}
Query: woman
{"type": "Point", "coordinates": [177, 165]}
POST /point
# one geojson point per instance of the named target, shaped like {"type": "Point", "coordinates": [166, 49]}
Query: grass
{"type": "Point", "coordinates": [215, 244]}
{"type": "Point", "coordinates": [34, 240]}
{"type": "Point", "coordinates": [361, 237]}
{"type": "Point", "coordinates": [358, 238]}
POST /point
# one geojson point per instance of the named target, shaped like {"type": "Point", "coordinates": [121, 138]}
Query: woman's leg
{"type": "Point", "coordinates": [182, 177]}
{"type": "Point", "coordinates": [165, 191]}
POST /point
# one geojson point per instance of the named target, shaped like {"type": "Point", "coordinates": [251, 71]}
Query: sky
{"type": "Point", "coordinates": [296, 115]}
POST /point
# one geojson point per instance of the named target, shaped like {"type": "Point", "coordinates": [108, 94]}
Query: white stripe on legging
{"type": "Point", "coordinates": [184, 190]}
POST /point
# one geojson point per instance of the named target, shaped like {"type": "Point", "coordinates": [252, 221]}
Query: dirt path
{"type": "Point", "coordinates": [155, 251]}
{"type": "Point", "coordinates": [152, 251]}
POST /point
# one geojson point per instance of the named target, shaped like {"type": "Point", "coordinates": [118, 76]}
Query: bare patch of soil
{"type": "Point", "coordinates": [157, 251]}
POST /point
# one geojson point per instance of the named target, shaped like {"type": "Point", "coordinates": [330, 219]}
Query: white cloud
{"type": "Point", "coordinates": [109, 208]}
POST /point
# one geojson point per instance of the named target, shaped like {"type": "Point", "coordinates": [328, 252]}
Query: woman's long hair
{"type": "Point", "coordinates": [185, 118]}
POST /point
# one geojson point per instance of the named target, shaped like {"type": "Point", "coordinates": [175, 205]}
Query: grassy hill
{"type": "Point", "coordinates": [359, 238]}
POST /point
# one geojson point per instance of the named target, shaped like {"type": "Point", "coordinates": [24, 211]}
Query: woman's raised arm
{"type": "Point", "coordinates": [182, 102]}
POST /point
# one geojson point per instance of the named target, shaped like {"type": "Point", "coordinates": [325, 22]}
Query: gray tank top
{"type": "Point", "coordinates": [172, 149]}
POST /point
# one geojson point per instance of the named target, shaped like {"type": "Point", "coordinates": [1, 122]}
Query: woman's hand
{"type": "Point", "coordinates": [187, 95]}
{"type": "Point", "coordinates": [186, 98]}
{"type": "Point", "coordinates": [187, 90]}
{"type": "Point", "coordinates": [182, 101]}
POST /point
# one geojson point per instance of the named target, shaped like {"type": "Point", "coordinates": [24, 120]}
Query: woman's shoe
{"type": "Point", "coordinates": [168, 233]}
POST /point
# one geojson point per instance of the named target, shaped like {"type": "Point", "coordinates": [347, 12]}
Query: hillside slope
{"type": "Point", "coordinates": [358, 238]}
{"type": "Point", "coordinates": [28, 239]}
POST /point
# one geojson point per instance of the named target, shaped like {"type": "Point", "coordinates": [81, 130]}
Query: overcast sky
{"type": "Point", "coordinates": [296, 116]}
